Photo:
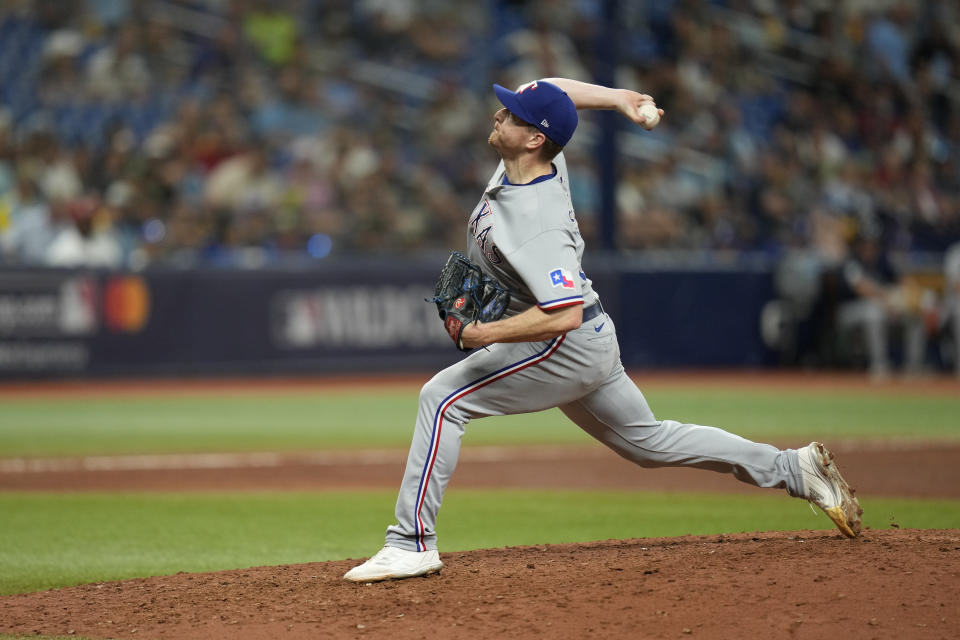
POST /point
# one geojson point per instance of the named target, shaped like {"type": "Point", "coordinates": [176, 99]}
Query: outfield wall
{"type": "Point", "coordinates": [338, 316]}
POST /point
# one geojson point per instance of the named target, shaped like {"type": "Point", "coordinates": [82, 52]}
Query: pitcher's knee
{"type": "Point", "coordinates": [438, 402]}
{"type": "Point", "coordinates": [433, 393]}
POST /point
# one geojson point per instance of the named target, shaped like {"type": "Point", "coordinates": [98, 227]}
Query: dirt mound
{"type": "Point", "coordinates": [812, 584]}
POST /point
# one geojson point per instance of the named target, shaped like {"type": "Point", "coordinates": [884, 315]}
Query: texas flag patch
{"type": "Point", "coordinates": [561, 278]}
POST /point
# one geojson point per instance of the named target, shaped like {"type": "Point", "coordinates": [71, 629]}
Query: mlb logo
{"type": "Point", "coordinates": [561, 278]}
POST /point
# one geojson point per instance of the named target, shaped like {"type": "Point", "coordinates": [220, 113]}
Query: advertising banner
{"type": "Point", "coordinates": [349, 317]}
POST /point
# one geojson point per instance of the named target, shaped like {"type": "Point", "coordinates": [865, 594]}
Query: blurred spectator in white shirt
{"type": "Point", "coordinates": [118, 70]}
{"type": "Point", "coordinates": [30, 229]}
{"type": "Point", "coordinates": [86, 240]}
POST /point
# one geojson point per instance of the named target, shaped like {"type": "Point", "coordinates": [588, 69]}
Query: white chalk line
{"type": "Point", "coordinates": [265, 460]}
{"type": "Point", "coordinates": [371, 457]}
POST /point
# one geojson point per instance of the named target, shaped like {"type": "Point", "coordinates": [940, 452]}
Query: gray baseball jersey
{"type": "Point", "coordinates": [526, 236]}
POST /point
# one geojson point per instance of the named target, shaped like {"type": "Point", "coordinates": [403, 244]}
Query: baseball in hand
{"type": "Point", "coordinates": [649, 111]}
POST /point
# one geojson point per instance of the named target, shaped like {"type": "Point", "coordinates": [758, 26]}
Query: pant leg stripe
{"type": "Point", "coordinates": [549, 350]}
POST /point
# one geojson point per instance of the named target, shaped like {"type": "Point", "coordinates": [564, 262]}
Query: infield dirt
{"type": "Point", "coordinates": [886, 584]}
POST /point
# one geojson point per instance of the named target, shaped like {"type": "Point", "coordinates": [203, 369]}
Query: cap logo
{"type": "Point", "coordinates": [544, 123]}
{"type": "Point", "coordinates": [529, 85]}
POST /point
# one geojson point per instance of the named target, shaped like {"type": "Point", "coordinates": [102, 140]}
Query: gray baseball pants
{"type": "Point", "coordinates": [581, 373]}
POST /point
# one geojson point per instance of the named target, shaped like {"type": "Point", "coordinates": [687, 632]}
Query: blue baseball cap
{"type": "Point", "coordinates": [543, 105]}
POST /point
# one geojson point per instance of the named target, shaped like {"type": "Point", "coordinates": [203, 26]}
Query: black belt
{"type": "Point", "coordinates": [591, 312]}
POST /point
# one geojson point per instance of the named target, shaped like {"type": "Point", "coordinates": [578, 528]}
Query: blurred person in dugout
{"type": "Point", "coordinates": [951, 273]}
{"type": "Point", "coordinates": [880, 302]}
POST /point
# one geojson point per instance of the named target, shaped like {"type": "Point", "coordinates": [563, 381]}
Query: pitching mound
{"type": "Point", "coordinates": [886, 584]}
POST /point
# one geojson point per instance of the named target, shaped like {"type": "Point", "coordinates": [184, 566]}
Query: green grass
{"type": "Point", "coordinates": [51, 540]}
{"type": "Point", "coordinates": [255, 420]}
{"type": "Point", "coordinates": [778, 414]}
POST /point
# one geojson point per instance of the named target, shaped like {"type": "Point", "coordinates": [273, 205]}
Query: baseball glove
{"type": "Point", "coordinates": [464, 295]}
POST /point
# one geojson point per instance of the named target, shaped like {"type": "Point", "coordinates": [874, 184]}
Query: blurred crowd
{"type": "Point", "coordinates": [243, 132]}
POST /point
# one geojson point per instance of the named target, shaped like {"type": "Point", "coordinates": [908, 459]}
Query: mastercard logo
{"type": "Point", "coordinates": [126, 304]}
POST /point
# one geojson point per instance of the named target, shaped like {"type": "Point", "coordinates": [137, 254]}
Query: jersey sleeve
{"type": "Point", "coordinates": [548, 265]}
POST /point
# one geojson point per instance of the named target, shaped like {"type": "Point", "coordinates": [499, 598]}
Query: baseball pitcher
{"type": "Point", "coordinates": [549, 342]}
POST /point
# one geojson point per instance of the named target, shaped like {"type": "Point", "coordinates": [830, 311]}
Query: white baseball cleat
{"type": "Point", "coordinates": [391, 563]}
{"type": "Point", "coordinates": [825, 487]}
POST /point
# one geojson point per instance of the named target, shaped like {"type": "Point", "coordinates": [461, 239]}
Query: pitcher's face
{"type": "Point", "coordinates": [510, 133]}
